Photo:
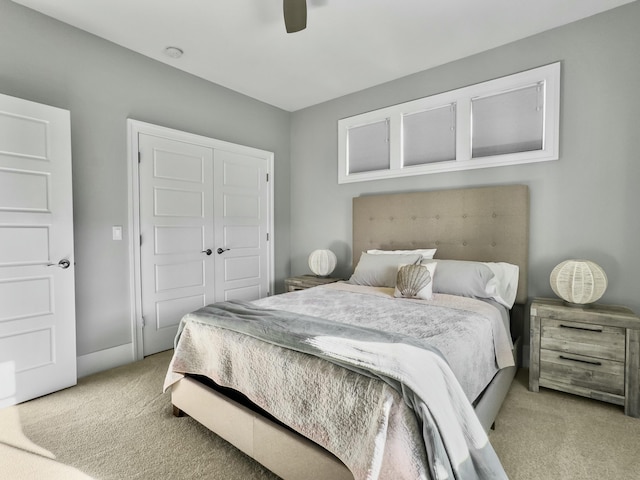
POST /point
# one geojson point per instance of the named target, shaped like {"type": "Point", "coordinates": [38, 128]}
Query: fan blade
{"type": "Point", "coordinates": [295, 15]}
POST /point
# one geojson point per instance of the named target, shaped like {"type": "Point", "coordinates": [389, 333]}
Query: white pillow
{"type": "Point", "coordinates": [503, 287]}
{"type": "Point", "coordinates": [423, 290]}
{"type": "Point", "coordinates": [426, 253]}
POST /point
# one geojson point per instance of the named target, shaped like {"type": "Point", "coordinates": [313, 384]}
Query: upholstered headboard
{"type": "Point", "coordinates": [488, 224]}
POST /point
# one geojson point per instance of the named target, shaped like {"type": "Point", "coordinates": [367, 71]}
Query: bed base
{"type": "Point", "coordinates": [286, 453]}
{"type": "Point", "coordinates": [488, 407]}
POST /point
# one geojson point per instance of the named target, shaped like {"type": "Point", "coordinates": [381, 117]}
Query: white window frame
{"type": "Point", "coordinates": [548, 76]}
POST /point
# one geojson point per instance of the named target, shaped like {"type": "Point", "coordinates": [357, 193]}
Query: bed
{"type": "Point", "coordinates": [487, 225]}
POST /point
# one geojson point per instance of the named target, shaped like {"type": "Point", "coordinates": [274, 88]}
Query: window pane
{"type": "Point", "coordinates": [429, 136]}
{"type": "Point", "coordinates": [369, 147]}
{"type": "Point", "coordinates": [509, 122]}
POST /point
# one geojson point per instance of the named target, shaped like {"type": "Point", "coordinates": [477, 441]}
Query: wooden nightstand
{"type": "Point", "coordinates": [593, 351]}
{"type": "Point", "coordinates": [307, 281]}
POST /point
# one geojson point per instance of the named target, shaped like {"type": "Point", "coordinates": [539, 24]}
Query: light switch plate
{"type": "Point", "coordinates": [117, 232]}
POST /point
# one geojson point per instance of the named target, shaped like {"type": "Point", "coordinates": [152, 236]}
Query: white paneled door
{"type": "Point", "coordinates": [204, 217]}
{"type": "Point", "coordinates": [241, 222]}
{"type": "Point", "coordinates": [37, 304]}
{"type": "Point", "coordinates": [176, 208]}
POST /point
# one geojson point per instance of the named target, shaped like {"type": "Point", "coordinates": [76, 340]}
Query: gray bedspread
{"type": "Point", "coordinates": [470, 333]}
{"type": "Point", "coordinates": [451, 435]}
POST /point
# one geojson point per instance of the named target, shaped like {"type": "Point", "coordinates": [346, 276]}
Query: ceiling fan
{"type": "Point", "coordinates": [295, 15]}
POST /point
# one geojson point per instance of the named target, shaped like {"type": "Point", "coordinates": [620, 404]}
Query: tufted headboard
{"type": "Point", "coordinates": [488, 224]}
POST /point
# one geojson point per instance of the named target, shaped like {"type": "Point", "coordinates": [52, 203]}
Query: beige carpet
{"type": "Point", "coordinates": [21, 459]}
{"type": "Point", "coordinates": [118, 425]}
{"type": "Point", "coordinates": [555, 435]}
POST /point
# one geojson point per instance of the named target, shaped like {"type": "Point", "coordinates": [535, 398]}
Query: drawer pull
{"type": "Point", "coordinates": [590, 362]}
{"type": "Point", "coordinates": [594, 329]}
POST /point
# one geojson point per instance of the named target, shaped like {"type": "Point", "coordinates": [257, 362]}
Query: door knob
{"type": "Point", "coordinates": [222, 250]}
{"type": "Point", "coordinates": [207, 251]}
{"type": "Point", "coordinates": [64, 263]}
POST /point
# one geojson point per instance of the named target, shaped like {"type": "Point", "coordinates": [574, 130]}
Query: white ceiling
{"type": "Point", "coordinates": [348, 45]}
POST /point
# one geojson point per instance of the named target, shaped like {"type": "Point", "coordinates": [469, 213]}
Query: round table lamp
{"type": "Point", "coordinates": [578, 282]}
{"type": "Point", "coordinates": [322, 262]}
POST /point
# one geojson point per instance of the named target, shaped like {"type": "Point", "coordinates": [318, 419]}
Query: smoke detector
{"type": "Point", "coordinates": [173, 52]}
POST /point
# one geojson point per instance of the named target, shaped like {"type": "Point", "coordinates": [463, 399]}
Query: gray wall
{"type": "Point", "coordinates": [584, 205]}
{"type": "Point", "coordinates": [102, 84]}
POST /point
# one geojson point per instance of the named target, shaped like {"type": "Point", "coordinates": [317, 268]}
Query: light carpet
{"type": "Point", "coordinates": [119, 425]}
{"type": "Point", "coordinates": [556, 435]}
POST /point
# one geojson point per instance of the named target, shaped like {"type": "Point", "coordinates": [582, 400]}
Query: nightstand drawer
{"type": "Point", "coordinates": [581, 371]}
{"type": "Point", "coordinates": [601, 342]}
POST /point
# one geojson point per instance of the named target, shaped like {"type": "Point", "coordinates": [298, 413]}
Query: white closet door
{"type": "Point", "coordinates": [241, 219]}
{"type": "Point", "coordinates": [37, 293]}
{"type": "Point", "coordinates": [204, 218]}
{"type": "Point", "coordinates": [176, 227]}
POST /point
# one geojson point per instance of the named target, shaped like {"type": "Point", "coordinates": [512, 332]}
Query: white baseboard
{"type": "Point", "coordinates": [105, 359]}
{"type": "Point", "coordinates": [7, 384]}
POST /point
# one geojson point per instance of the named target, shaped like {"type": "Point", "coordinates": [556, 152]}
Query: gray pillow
{"type": "Point", "coordinates": [380, 270]}
{"type": "Point", "coordinates": [463, 278]}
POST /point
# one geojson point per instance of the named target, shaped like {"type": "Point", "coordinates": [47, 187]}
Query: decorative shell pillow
{"type": "Point", "coordinates": [415, 281]}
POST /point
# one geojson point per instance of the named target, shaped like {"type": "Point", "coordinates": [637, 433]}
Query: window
{"type": "Point", "coordinates": [429, 136]}
{"type": "Point", "coordinates": [369, 147]}
{"type": "Point", "coordinates": [510, 120]}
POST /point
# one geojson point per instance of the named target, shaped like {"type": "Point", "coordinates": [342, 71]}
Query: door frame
{"type": "Point", "coordinates": [134, 128]}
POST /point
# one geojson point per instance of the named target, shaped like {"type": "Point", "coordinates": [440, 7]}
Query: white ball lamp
{"type": "Point", "coordinates": [578, 282]}
{"type": "Point", "coordinates": [322, 262]}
